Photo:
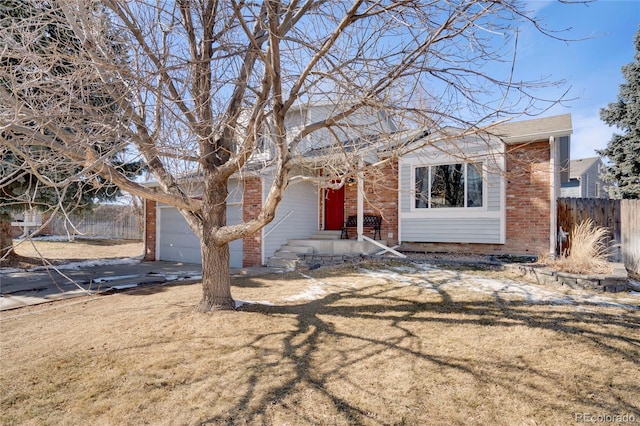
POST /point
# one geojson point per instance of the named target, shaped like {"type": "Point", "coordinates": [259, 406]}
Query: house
{"type": "Point", "coordinates": [493, 193]}
{"type": "Point", "coordinates": [27, 222]}
{"type": "Point", "coordinates": [584, 179]}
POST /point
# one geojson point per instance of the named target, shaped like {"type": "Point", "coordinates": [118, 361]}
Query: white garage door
{"type": "Point", "coordinates": [176, 241]}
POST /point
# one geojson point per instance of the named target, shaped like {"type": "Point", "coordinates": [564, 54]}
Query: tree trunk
{"type": "Point", "coordinates": [6, 241]}
{"type": "Point", "coordinates": [216, 278]}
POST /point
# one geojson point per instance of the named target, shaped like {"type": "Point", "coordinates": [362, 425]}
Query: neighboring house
{"type": "Point", "coordinates": [494, 194]}
{"type": "Point", "coordinates": [25, 223]}
{"type": "Point", "coordinates": [584, 179]}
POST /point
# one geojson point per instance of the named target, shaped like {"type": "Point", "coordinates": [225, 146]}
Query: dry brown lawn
{"type": "Point", "coordinates": [30, 253]}
{"type": "Point", "coordinates": [367, 349]}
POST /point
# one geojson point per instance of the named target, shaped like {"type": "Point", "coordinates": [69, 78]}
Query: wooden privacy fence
{"type": "Point", "coordinates": [630, 242]}
{"type": "Point", "coordinates": [620, 216]}
{"type": "Point", "coordinates": [107, 221]}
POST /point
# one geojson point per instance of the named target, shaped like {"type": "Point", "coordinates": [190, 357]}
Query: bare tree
{"type": "Point", "coordinates": [201, 87]}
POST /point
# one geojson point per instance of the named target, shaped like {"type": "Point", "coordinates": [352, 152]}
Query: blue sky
{"type": "Point", "coordinates": [591, 67]}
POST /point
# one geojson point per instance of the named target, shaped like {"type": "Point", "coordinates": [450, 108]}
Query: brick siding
{"type": "Point", "coordinates": [528, 206]}
{"type": "Point", "coordinates": [528, 198]}
{"type": "Point", "coordinates": [380, 198]}
{"type": "Point", "coordinates": [150, 230]}
{"type": "Point", "coordinates": [251, 206]}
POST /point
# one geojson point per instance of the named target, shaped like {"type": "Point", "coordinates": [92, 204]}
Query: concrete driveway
{"type": "Point", "coordinates": [20, 288]}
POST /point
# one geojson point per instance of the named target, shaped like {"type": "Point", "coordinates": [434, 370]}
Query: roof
{"type": "Point", "coordinates": [578, 167]}
{"type": "Point", "coordinates": [530, 130]}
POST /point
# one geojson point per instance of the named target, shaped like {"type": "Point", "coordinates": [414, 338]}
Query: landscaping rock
{"type": "Point", "coordinates": [617, 281]}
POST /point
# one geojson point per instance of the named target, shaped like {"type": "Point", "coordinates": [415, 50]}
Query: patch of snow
{"type": "Point", "coordinates": [314, 292]}
{"type": "Point", "coordinates": [64, 238]}
{"type": "Point", "coordinates": [426, 266]}
{"type": "Point", "coordinates": [54, 238]}
{"type": "Point", "coordinates": [240, 303]}
{"type": "Point", "coordinates": [10, 270]}
{"type": "Point", "coordinates": [429, 277]}
{"type": "Point", "coordinates": [386, 274]}
{"type": "Point", "coordinates": [88, 264]}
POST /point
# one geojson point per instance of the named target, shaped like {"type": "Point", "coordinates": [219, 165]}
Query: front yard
{"type": "Point", "coordinates": [58, 250]}
{"type": "Point", "coordinates": [373, 344]}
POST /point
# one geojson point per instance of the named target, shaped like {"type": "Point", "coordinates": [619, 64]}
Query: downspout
{"type": "Point", "coordinates": [554, 199]}
{"type": "Point", "coordinates": [360, 200]}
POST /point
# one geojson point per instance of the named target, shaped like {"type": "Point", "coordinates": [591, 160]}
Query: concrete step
{"type": "Point", "coordinates": [327, 235]}
{"type": "Point", "coordinates": [275, 262]}
{"type": "Point", "coordinates": [337, 247]}
{"type": "Point", "coordinates": [281, 254]}
{"type": "Point", "coordinates": [297, 249]}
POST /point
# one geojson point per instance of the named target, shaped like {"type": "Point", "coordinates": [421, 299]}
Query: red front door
{"type": "Point", "coordinates": [333, 209]}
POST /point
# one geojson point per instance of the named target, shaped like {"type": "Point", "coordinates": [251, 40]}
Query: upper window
{"type": "Point", "coordinates": [449, 185]}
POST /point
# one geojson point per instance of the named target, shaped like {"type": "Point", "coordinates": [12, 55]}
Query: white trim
{"type": "Point", "coordinates": [144, 229]}
{"type": "Point", "coordinates": [263, 260]}
{"type": "Point", "coordinates": [532, 137]}
{"type": "Point", "coordinates": [158, 231]}
{"type": "Point", "coordinates": [454, 213]}
{"type": "Point", "coordinates": [321, 202]}
{"type": "Point", "coordinates": [319, 205]}
{"type": "Point", "coordinates": [450, 211]}
{"type": "Point", "coordinates": [429, 159]}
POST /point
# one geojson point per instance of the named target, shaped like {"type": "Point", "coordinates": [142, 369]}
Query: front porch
{"type": "Point", "coordinates": [323, 246]}
{"type": "Point", "coordinates": [315, 220]}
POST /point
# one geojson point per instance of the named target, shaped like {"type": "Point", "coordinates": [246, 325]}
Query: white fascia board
{"type": "Point", "coordinates": [537, 137]}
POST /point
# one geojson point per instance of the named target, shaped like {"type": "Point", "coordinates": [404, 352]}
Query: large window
{"type": "Point", "coordinates": [448, 185]}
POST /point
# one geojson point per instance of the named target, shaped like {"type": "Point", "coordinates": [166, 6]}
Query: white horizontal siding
{"type": "Point", "coordinates": [406, 197]}
{"type": "Point", "coordinates": [301, 199]}
{"type": "Point", "coordinates": [234, 188]}
{"type": "Point", "coordinates": [571, 190]}
{"type": "Point", "coordinates": [451, 230]}
{"type": "Point", "coordinates": [493, 188]}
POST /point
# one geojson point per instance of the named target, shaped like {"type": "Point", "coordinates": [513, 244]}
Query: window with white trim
{"type": "Point", "coordinates": [449, 186]}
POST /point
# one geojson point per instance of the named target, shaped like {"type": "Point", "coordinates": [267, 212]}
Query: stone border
{"type": "Point", "coordinates": [617, 281]}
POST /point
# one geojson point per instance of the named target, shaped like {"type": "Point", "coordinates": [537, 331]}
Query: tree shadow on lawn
{"type": "Point", "coordinates": [333, 358]}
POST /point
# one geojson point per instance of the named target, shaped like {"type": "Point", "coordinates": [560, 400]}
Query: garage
{"type": "Point", "coordinates": [176, 242]}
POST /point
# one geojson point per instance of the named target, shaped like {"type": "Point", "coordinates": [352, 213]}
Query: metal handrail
{"type": "Point", "coordinates": [383, 247]}
{"type": "Point", "coordinates": [277, 224]}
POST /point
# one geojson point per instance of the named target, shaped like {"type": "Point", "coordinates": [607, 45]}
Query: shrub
{"type": "Point", "coordinates": [589, 250]}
